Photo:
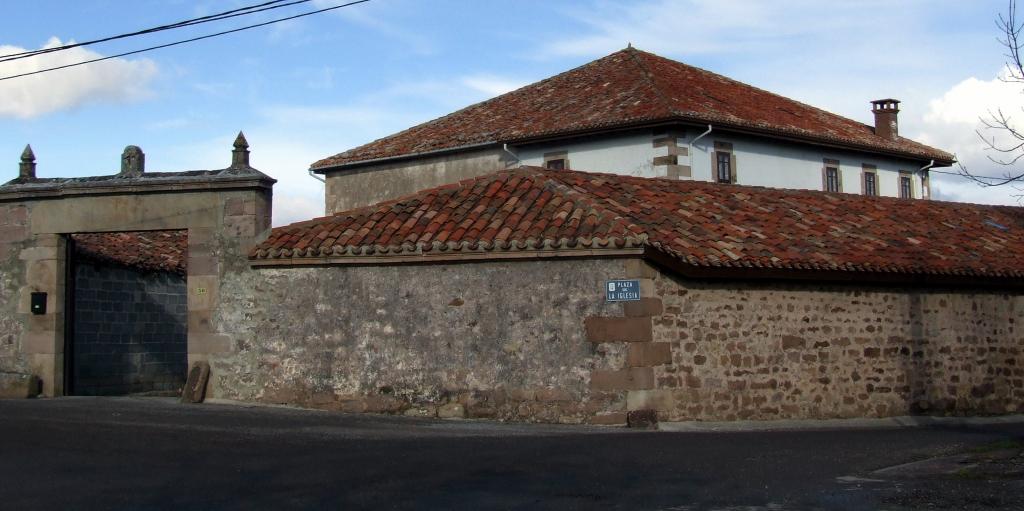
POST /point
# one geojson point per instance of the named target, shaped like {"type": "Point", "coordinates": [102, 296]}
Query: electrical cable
{"type": "Point", "coordinates": [176, 43]}
{"type": "Point", "coordinates": [242, 11]}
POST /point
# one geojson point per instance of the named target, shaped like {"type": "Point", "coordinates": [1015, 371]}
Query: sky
{"type": "Point", "coordinates": [309, 88]}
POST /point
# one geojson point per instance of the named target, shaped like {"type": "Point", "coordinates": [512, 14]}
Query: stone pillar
{"type": "Point", "coordinates": [44, 340]}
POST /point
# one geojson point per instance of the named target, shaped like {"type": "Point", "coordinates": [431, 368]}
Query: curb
{"type": "Point", "coordinates": [905, 421]}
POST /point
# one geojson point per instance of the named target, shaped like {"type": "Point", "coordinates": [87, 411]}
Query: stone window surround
{"type": "Point", "coordinates": [828, 163]}
{"type": "Point", "coordinates": [903, 174]}
{"type": "Point", "coordinates": [723, 147]}
{"type": "Point", "coordinates": [555, 156]}
{"type": "Point", "coordinates": [867, 168]}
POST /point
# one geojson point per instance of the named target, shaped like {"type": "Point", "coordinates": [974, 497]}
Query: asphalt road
{"type": "Point", "coordinates": [136, 453]}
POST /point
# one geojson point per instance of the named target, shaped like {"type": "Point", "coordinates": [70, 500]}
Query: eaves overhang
{"type": "Point", "coordinates": [941, 160]}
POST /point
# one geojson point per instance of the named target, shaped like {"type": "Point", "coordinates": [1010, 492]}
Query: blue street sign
{"type": "Point", "coordinates": [622, 291]}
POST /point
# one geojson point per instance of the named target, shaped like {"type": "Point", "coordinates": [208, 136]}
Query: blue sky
{"type": "Point", "coordinates": [310, 88]}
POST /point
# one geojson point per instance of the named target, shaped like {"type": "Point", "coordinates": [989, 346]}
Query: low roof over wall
{"type": "Point", "coordinates": [148, 251]}
{"type": "Point", "coordinates": [690, 225]}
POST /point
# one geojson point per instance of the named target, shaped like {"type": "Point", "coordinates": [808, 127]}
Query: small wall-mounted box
{"type": "Point", "coordinates": [38, 303]}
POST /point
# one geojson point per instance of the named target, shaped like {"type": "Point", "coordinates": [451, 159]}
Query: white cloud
{"type": "Point", "coordinates": [953, 121]}
{"type": "Point", "coordinates": [490, 84]}
{"type": "Point", "coordinates": [115, 80]}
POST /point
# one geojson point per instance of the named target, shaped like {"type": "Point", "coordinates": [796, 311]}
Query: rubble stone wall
{"type": "Point", "coordinates": [733, 350]}
{"type": "Point", "coordinates": [485, 339]}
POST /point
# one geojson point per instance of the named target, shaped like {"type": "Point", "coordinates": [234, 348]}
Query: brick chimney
{"type": "Point", "coordinates": [886, 111]}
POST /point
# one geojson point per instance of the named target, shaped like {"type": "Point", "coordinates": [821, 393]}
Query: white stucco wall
{"type": "Point", "coordinates": [629, 153]}
{"type": "Point", "coordinates": [759, 162]}
{"type": "Point", "coordinates": [780, 165]}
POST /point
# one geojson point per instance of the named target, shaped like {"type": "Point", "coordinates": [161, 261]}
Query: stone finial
{"type": "Point", "coordinates": [133, 161]}
{"type": "Point", "coordinates": [27, 167]}
{"type": "Point", "coordinates": [240, 155]}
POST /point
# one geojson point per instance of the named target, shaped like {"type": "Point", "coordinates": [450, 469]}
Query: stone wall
{"type": "Point", "coordinates": [13, 233]}
{"type": "Point", "coordinates": [129, 330]}
{"type": "Point", "coordinates": [733, 350]}
{"type": "Point", "coordinates": [487, 339]}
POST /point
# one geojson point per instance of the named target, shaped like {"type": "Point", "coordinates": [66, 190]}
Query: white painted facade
{"type": "Point", "coordinates": [628, 153]}
{"type": "Point", "coordinates": [759, 161]}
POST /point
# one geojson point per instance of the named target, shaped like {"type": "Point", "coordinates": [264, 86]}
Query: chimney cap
{"type": "Point", "coordinates": [886, 104]}
{"type": "Point", "coordinates": [27, 156]}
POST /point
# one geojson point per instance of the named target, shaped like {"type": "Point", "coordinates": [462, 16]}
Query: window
{"type": "Point", "coordinates": [558, 164]}
{"type": "Point", "coordinates": [724, 166]}
{"type": "Point", "coordinates": [870, 186]}
{"type": "Point", "coordinates": [724, 162]}
{"type": "Point", "coordinates": [870, 180]}
{"type": "Point", "coordinates": [906, 186]}
{"type": "Point", "coordinates": [557, 160]}
{"type": "Point", "coordinates": [830, 177]}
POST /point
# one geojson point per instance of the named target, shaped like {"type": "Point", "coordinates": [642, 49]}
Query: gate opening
{"type": "Point", "coordinates": [127, 324]}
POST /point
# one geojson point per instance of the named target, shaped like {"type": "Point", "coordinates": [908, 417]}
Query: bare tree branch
{"type": "Point", "coordinates": [998, 122]}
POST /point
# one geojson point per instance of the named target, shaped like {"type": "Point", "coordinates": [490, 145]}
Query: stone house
{"type": "Point", "coordinates": [639, 114]}
{"type": "Point", "coordinates": [489, 297]}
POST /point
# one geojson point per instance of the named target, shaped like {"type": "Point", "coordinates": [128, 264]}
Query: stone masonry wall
{"type": "Point", "coordinates": [129, 330]}
{"type": "Point", "coordinates": [13, 233]}
{"type": "Point", "coordinates": [486, 339]}
{"type": "Point", "coordinates": [732, 350]}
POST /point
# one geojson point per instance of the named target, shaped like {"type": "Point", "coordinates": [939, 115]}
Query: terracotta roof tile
{"type": "Point", "coordinates": [148, 251]}
{"type": "Point", "coordinates": [696, 223]}
{"type": "Point", "coordinates": [627, 88]}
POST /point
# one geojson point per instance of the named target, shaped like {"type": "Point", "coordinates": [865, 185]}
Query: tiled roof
{"type": "Point", "coordinates": [630, 87]}
{"type": "Point", "coordinates": [696, 224]}
{"type": "Point", "coordinates": [148, 251]}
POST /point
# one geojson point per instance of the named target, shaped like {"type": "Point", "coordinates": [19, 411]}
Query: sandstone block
{"type": "Point", "coordinates": [609, 419]}
{"type": "Point", "coordinates": [645, 419]}
{"type": "Point", "coordinates": [553, 395]}
{"type": "Point", "coordinates": [644, 307]}
{"type": "Point", "coordinates": [18, 386]}
{"type": "Point", "coordinates": [639, 269]}
{"type": "Point", "coordinates": [451, 411]}
{"type": "Point", "coordinates": [604, 329]}
{"type": "Point", "coordinates": [792, 342]}
{"type": "Point", "coordinates": [660, 400]}
{"type": "Point", "coordinates": [649, 354]}
{"type": "Point", "coordinates": [195, 384]}
{"type": "Point", "coordinates": [384, 404]}
{"type": "Point", "coordinates": [637, 378]}
{"type": "Point", "coordinates": [420, 412]}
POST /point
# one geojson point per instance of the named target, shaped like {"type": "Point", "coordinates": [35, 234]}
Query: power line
{"type": "Point", "coordinates": [176, 43]}
{"type": "Point", "coordinates": [252, 9]}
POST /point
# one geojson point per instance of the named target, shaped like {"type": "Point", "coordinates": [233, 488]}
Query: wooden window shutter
{"type": "Point", "coordinates": [732, 168]}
